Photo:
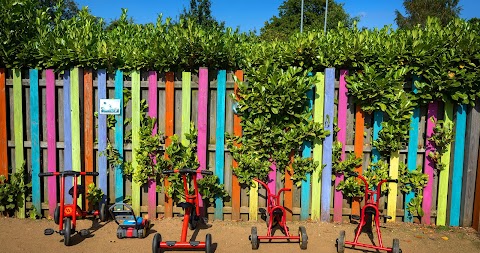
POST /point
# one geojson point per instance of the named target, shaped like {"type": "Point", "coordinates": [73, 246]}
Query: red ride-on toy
{"type": "Point", "coordinates": [276, 217]}
{"type": "Point", "coordinates": [190, 219]}
{"type": "Point", "coordinates": [129, 225]}
{"type": "Point", "coordinates": [368, 214]}
{"type": "Point", "coordinates": [66, 214]}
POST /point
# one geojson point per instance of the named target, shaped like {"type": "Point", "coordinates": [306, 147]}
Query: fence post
{"type": "Point", "coordinates": [457, 173]}
{"type": "Point", "coordinates": [169, 126]}
{"type": "Point", "coordinates": [306, 153]}
{"type": "Point", "coordinates": [358, 149]}
{"type": "Point", "coordinates": [3, 130]}
{"type": "Point", "coordinates": [202, 126]}
{"type": "Point", "coordinates": [220, 138]}
{"type": "Point", "coordinates": [328, 144]}
{"type": "Point", "coordinates": [35, 138]}
{"type": "Point", "coordinates": [317, 145]}
{"type": "Point", "coordinates": [67, 132]}
{"type": "Point", "coordinates": [88, 127]}
{"type": "Point", "coordinates": [18, 124]}
{"type": "Point", "coordinates": [118, 94]}
{"type": "Point", "coordinates": [75, 117]}
{"type": "Point", "coordinates": [429, 164]}
{"type": "Point", "coordinates": [237, 131]}
{"type": "Point", "coordinates": [102, 135]}
{"type": "Point", "coordinates": [50, 102]}
{"type": "Point", "coordinates": [135, 137]}
{"type": "Point", "coordinates": [152, 112]}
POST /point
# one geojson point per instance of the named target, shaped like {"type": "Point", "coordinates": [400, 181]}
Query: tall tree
{"type": "Point", "coordinates": [201, 13]}
{"type": "Point", "coordinates": [288, 20]}
{"type": "Point", "coordinates": [417, 12]}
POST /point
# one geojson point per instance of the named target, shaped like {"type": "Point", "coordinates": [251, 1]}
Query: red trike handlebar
{"type": "Point", "coordinates": [68, 173]}
{"type": "Point", "coordinates": [188, 171]}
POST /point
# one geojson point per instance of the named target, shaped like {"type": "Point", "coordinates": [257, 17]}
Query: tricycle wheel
{"type": "Point", "coordinates": [396, 246]}
{"type": "Point", "coordinates": [103, 213]}
{"type": "Point", "coordinates": [67, 231]}
{"type": "Point", "coordinates": [302, 232]}
{"type": "Point", "coordinates": [341, 242]}
{"type": "Point", "coordinates": [157, 238]}
{"type": "Point", "coordinates": [254, 238]}
{"type": "Point", "coordinates": [208, 243]}
{"type": "Point", "coordinates": [56, 215]}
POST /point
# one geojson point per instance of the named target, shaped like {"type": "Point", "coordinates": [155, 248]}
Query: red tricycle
{"type": "Point", "coordinates": [276, 217]}
{"type": "Point", "coordinates": [369, 213]}
{"type": "Point", "coordinates": [66, 214]}
{"type": "Point", "coordinates": [190, 219]}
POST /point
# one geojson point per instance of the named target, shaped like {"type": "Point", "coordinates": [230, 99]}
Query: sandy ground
{"type": "Point", "coordinates": [27, 236]}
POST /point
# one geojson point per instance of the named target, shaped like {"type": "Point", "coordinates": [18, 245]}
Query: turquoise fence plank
{"type": "Point", "coordinates": [102, 133]}
{"type": "Point", "coordinates": [457, 174]}
{"type": "Point", "coordinates": [67, 131]}
{"type": "Point", "coordinates": [119, 136]}
{"type": "Point", "coordinates": [306, 153]}
{"type": "Point", "coordinates": [328, 143]}
{"type": "Point", "coordinates": [220, 138]}
{"type": "Point", "coordinates": [35, 138]}
{"type": "Point", "coordinates": [412, 151]}
{"type": "Point", "coordinates": [377, 126]}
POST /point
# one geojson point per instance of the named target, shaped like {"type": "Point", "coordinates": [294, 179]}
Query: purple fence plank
{"type": "Point", "coordinates": [202, 123]}
{"type": "Point", "coordinates": [51, 140]}
{"type": "Point", "coordinates": [152, 112]}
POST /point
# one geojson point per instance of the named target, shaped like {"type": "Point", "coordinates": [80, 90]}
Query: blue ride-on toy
{"type": "Point", "coordinates": [129, 225]}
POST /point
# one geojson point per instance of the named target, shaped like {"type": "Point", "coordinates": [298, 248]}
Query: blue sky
{"type": "Point", "coordinates": [252, 14]}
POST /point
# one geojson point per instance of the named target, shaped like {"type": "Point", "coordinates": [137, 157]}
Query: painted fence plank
{"type": "Point", "coordinates": [377, 126]}
{"type": "Point", "coordinates": [50, 102]}
{"type": "Point", "coordinates": [118, 94]}
{"type": "Point", "coordinates": [412, 151]}
{"type": "Point", "coordinates": [288, 195]}
{"type": "Point", "coordinates": [186, 104]}
{"type": "Point", "coordinates": [328, 145]}
{"type": "Point", "coordinates": [169, 130]}
{"type": "Point", "coordinates": [306, 153]}
{"type": "Point", "coordinates": [317, 145]}
{"type": "Point", "coordinates": [272, 178]}
{"type": "Point", "coordinates": [444, 174]}
{"type": "Point", "coordinates": [18, 124]}
{"type": "Point", "coordinates": [429, 164]}
{"type": "Point", "coordinates": [470, 165]}
{"type": "Point", "coordinates": [135, 137]}
{"type": "Point", "coordinates": [476, 202]}
{"type": "Point", "coordinates": [75, 117]}
{"type": "Point", "coordinates": [202, 125]}
{"type": "Point", "coordinates": [457, 173]}
{"type": "Point", "coordinates": [358, 149]}
{"type": "Point", "coordinates": [102, 134]}
{"type": "Point", "coordinates": [237, 131]}
{"type": "Point", "coordinates": [152, 112]}
{"type": "Point", "coordinates": [342, 138]}
{"type": "Point", "coordinates": [3, 122]}
{"type": "Point", "coordinates": [67, 131]}
{"type": "Point", "coordinates": [35, 138]}
{"type": "Point", "coordinates": [220, 138]}
{"type": "Point", "coordinates": [88, 126]}
{"type": "Point", "coordinates": [393, 187]}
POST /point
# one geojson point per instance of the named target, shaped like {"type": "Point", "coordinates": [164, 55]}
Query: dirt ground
{"type": "Point", "coordinates": [27, 236]}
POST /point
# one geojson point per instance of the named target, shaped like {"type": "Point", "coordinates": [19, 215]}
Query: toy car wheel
{"type": "Point", "coordinates": [208, 243]}
{"type": "Point", "coordinates": [119, 233]}
{"type": "Point", "coordinates": [157, 238]}
{"type": "Point", "coordinates": [341, 242]}
{"type": "Point", "coordinates": [396, 246]}
{"type": "Point", "coordinates": [140, 234]}
{"type": "Point", "coordinates": [302, 232]}
{"type": "Point", "coordinates": [103, 213]}
{"type": "Point", "coordinates": [56, 215]}
{"type": "Point", "coordinates": [67, 231]}
{"type": "Point", "coordinates": [254, 238]}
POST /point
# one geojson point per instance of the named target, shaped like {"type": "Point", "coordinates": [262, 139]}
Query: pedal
{"type": "Point", "coordinates": [170, 243]}
{"type": "Point", "coordinates": [48, 231]}
{"type": "Point", "coordinates": [180, 215]}
{"type": "Point", "coordinates": [84, 232]}
{"type": "Point", "coordinates": [388, 217]}
{"type": "Point", "coordinates": [194, 243]}
{"type": "Point", "coordinates": [205, 221]}
{"type": "Point", "coordinates": [356, 217]}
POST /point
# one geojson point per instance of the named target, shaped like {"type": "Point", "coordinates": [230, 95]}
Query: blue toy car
{"type": "Point", "coordinates": [129, 225]}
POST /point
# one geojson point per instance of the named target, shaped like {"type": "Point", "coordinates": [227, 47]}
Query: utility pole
{"type": "Point", "coordinates": [326, 12]}
{"type": "Point", "coordinates": [301, 20]}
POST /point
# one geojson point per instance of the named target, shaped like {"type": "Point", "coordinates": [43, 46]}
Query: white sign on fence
{"type": "Point", "coordinates": [109, 106]}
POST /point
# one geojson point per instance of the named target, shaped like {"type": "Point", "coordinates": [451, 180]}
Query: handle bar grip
{"type": "Point", "coordinates": [166, 172]}
{"type": "Point", "coordinates": [206, 172]}
{"type": "Point", "coordinates": [392, 181]}
{"type": "Point", "coordinates": [188, 171]}
{"type": "Point", "coordinates": [352, 174]}
{"type": "Point", "coordinates": [91, 173]}
{"type": "Point", "coordinates": [45, 174]}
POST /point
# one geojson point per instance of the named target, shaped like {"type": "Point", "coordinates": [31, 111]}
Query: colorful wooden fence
{"type": "Point", "coordinates": [63, 105]}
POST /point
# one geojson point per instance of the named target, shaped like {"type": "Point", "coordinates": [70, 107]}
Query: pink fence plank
{"type": "Point", "coordinates": [51, 141]}
{"type": "Point", "coordinates": [202, 123]}
{"type": "Point", "coordinates": [429, 164]}
{"type": "Point", "coordinates": [152, 112]}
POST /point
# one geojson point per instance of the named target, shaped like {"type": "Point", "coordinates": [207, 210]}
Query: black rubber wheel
{"type": "Point", "coordinates": [208, 243]}
{"type": "Point", "coordinates": [396, 246]}
{"type": "Point", "coordinates": [67, 231]}
{"type": "Point", "coordinates": [341, 242]}
{"type": "Point", "coordinates": [302, 232]}
{"type": "Point", "coordinates": [157, 238]}
{"type": "Point", "coordinates": [120, 233]}
{"type": "Point", "coordinates": [103, 213]}
{"type": "Point", "coordinates": [56, 215]}
{"type": "Point", "coordinates": [193, 220]}
{"type": "Point", "coordinates": [254, 238]}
